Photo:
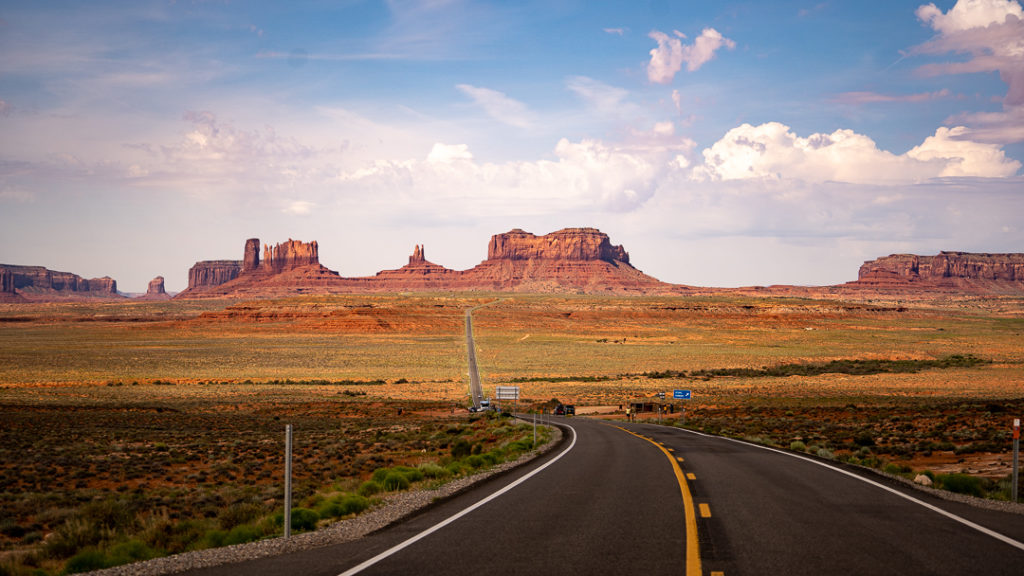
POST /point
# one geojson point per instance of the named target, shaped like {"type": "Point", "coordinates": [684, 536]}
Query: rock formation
{"type": "Point", "coordinates": [156, 291]}
{"type": "Point", "coordinates": [568, 244]}
{"type": "Point", "coordinates": [39, 283]}
{"type": "Point", "coordinates": [289, 255]}
{"type": "Point", "coordinates": [569, 260]}
{"type": "Point", "coordinates": [944, 269]}
{"type": "Point", "coordinates": [291, 267]}
{"type": "Point", "coordinates": [213, 273]}
{"type": "Point", "coordinates": [7, 290]}
{"type": "Point", "coordinates": [251, 260]}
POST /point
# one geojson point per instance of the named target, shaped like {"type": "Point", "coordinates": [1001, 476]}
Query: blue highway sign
{"type": "Point", "coordinates": [680, 394]}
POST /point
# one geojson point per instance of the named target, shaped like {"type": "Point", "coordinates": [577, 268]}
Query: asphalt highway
{"type": "Point", "coordinates": [611, 501]}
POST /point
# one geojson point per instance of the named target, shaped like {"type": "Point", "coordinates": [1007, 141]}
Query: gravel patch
{"type": "Point", "coordinates": [394, 508]}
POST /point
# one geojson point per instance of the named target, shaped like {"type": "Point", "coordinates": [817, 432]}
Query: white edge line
{"type": "Point", "coordinates": [398, 547]}
{"type": "Point", "coordinates": [950, 515]}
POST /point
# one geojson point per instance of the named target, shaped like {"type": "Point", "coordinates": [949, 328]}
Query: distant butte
{"type": "Point", "coordinates": [569, 260]}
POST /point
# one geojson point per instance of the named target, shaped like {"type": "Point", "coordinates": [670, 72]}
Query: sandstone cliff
{"type": "Point", "coordinates": [210, 273]}
{"type": "Point", "coordinates": [7, 290]}
{"type": "Point", "coordinates": [568, 244]}
{"type": "Point", "coordinates": [41, 284]}
{"type": "Point", "coordinates": [944, 269]}
{"type": "Point", "coordinates": [289, 255]}
{"type": "Point", "coordinates": [291, 267]}
{"type": "Point", "coordinates": [155, 290]}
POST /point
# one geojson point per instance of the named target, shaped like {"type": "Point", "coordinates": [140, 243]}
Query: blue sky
{"type": "Point", "coordinates": [722, 143]}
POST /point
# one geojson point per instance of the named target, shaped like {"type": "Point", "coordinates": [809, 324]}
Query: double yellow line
{"type": "Point", "coordinates": [692, 544]}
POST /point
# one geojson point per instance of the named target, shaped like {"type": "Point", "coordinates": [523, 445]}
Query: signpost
{"type": "Point", "coordinates": [682, 395]}
{"type": "Point", "coordinates": [1016, 454]}
{"type": "Point", "coordinates": [508, 393]}
{"type": "Point", "coordinates": [287, 480]}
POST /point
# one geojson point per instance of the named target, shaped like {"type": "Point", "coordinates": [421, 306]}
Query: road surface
{"type": "Point", "coordinates": [609, 501]}
{"type": "Point", "coordinates": [476, 391]}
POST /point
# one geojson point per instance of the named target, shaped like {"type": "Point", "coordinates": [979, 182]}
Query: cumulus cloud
{"type": "Point", "coordinates": [772, 151]}
{"type": "Point", "coordinates": [299, 208]}
{"type": "Point", "coordinates": [448, 153]}
{"type": "Point", "coordinates": [499, 106]}
{"type": "Point", "coordinates": [991, 34]}
{"type": "Point", "coordinates": [968, 14]}
{"type": "Point", "coordinates": [585, 175]}
{"type": "Point", "coordinates": [668, 58]}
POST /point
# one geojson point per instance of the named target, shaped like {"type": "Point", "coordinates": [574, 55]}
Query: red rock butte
{"type": "Point", "coordinates": [957, 270]}
{"type": "Point", "coordinates": [570, 260]}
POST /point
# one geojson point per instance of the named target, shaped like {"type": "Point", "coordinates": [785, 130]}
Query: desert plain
{"type": "Point", "coordinates": [136, 429]}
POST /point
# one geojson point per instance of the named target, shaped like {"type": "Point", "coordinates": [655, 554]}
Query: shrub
{"type": "Point", "coordinates": [128, 552]}
{"type": "Point", "coordinates": [369, 488]}
{"type": "Point", "coordinates": [431, 470]}
{"type": "Point", "coordinates": [86, 560]}
{"type": "Point", "coordinates": [475, 461]}
{"type": "Point", "coordinates": [237, 514]}
{"type": "Point", "coordinates": [395, 481]}
{"type": "Point", "coordinates": [304, 519]}
{"type": "Point", "coordinates": [961, 484]}
{"type": "Point", "coordinates": [797, 446]}
{"type": "Point", "coordinates": [411, 474]}
{"type": "Point", "coordinates": [461, 448]}
{"type": "Point", "coordinates": [243, 534]}
{"type": "Point", "coordinates": [343, 505]}
{"type": "Point", "coordinates": [824, 453]}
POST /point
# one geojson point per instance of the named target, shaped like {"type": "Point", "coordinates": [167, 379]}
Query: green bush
{"type": "Point", "coordinates": [461, 448]}
{"type": "Point", "coordinates": [243, 534]}
{"type": "Point", "coordinates": [431, 470]}
{"type": "Point", "coordinates": [395, 481]}
{"type": "Point", "coordinates": [304, 519]}
{"type": "Point", "coordinates": [411, 474]}
{"type": "Point", "coordinates": [238, 514]}
{"type": "Point", "coordinates": [128, 552]}
{"type": "Point", "coordinates": [475, 461]}
{"type": "Point", "coordinates": [369, 488]}
{"type": "Point", "coordinates": [961, 484]}
{"type": "Point", "coordinates": [86, 560]}
{"type": "Point", "coordinates": [343, 505]}
{"type": "Point", "coordinates": [797, 446]}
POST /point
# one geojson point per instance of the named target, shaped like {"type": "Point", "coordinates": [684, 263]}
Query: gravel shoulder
{"type": "Point", "coordinates": [393, 509]}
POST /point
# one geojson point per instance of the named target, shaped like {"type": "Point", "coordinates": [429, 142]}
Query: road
{"type": "Point", "coordinates": [611, 502]}
{"type": "Point", "coordinates": [476, 391]}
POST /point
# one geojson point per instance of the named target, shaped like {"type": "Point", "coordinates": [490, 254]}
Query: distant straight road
{"type": "Point", "coordinates": [475, 389]}
{"type": "Point", "coordinates": [612, 504]}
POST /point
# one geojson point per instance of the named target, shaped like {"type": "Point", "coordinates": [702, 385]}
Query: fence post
{"type": "Point", "coordinates": [1016, 454]}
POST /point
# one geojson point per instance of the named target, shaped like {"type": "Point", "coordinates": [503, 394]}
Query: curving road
{"type": "Point", "coordinates": [610, 501]}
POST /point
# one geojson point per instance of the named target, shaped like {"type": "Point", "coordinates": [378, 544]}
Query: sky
{"type": "Point", "coordinates": [721, 143]}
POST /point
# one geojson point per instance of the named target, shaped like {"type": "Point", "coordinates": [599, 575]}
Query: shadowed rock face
{"type": "Point", "coordinates": [944, 267]}
{"type": "Point", "coordinates": [40, 282]}
{"type": "Point", "coordinates": [213, 273]}
{"type": "Point", "coordinates": [156, 286]}
{"type": "Point", "coordinates": [571, 244]}
{"type": "Point", "coordinates": [6, 281]}
{"type": "Point", "coordinates": [251, 261]}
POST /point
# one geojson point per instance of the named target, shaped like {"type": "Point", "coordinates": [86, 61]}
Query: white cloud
{"type": "Point", "coordinates": [588, 174]}
{"type": "Point", "coordinates": [615, 31]}
{"type": "Point", "coordinates": [499, 106]}
{"type": "Point", "coordinates": [963, 157]}
{"type": "Point", "coordinates": [967, 14]}
{"type": "Point", "coordinates": [668, 58]}
{"type": "Point", "coordinates": [603, 98]}
{"type": "Point", "coordinates": [299, 208]}
{"type": "Point", "coordinates": [773, 151]}
{"type": "Point", "coordinates": [991, 33]}
{"type": "Point", "coordinates": [448, 153]}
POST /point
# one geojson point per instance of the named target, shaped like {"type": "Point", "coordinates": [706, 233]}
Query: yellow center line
{"type": "Point", "coordinates": [692, 545]}
{"type": "Point", "coordinates": [705, 510]}
{"type": "Point", "coordinates": [691, 476]}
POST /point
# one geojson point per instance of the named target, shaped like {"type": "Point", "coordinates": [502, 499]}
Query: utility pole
{"type": "Point", "coordinates": [288, 481]}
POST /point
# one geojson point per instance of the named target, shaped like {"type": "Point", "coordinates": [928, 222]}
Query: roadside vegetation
{"type": "Point", "coordinates": [96, 477]}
